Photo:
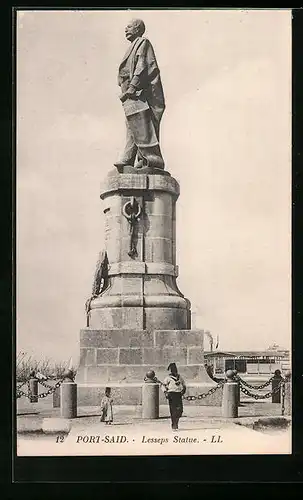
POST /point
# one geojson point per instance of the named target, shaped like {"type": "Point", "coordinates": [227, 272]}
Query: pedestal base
{"type": "Point", "coordinates": [120, 359]}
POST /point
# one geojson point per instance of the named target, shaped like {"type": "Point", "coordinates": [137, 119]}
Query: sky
{"type": "Point", "coordinates": [225, 136]}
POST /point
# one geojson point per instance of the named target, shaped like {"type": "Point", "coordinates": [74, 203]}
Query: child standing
{"type": "Point", "coordinates": [107, 407]}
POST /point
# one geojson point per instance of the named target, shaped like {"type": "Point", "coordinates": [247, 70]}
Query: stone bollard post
{"type": "Point", "coordinates": [288, 395]}
{"type": "Point", "coordinates": [276, 380]}
{"type": "Point", "coordinates": [68, 397]}
{"type": "Point", "coordinates": [150, 397]}
{"type": "Point", "coordinates": [56, 398]}
{"type": "Point", "coordinates": [230, 396]}
{"type": "Point", "coordinates": [33, 387]}
{"type": "Point", "coordinates": [236, 378]}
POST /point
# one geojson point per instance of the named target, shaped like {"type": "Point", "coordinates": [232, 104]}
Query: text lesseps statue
{"type": "Point", "coordinates": [143, 101]}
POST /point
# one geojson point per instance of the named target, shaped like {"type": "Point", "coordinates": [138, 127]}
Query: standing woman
{"type": "Point", "coordinates": [174, 389]}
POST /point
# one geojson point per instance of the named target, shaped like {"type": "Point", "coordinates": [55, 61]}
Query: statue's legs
{"type": "Point", "coordinates": [142, 137]}
{"type": "Point", "coordinates": [145, 131]}
{"type": "Point", "coordinates": [130, 151]}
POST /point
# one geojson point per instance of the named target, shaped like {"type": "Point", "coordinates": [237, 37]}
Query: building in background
{"type": "Point", "coordinates": [250, 363]}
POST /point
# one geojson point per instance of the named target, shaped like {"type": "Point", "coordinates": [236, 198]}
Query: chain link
{"type": "Point", "coordinates": [21, 385]}
{"type": "Point", "coordinates": [45, 385]}
{"type": "Point", "coordinates": [50, 389]}
{"type": "Point", "coordinates": [205, 394]}
{"type": "Point", "coordinates": [193, 398]}
{"type": "Point", "coordinates": [261, 396]}
{"type": "Point", "coordinates": [22, 393]}
{"type": "Point", "coordinates": [256, 387]}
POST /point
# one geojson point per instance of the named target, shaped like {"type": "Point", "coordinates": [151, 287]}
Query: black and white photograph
{"type": "Point", "coordinates": [153, 232]}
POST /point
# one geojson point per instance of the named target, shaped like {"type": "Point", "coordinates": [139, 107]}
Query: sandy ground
{"type": "Point", "coordinates": [202, 431]}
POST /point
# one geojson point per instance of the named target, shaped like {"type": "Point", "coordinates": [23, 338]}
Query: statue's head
{"type": "Point", "coordinates": [135, 28]}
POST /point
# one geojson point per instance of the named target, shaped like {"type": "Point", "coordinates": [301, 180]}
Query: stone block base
{"type": "Point", "coordinates": [120, 359]}
{"type": "Point", "coordinates": [131, 394]}
{"type": "Point", "coordinates": [124, 356]}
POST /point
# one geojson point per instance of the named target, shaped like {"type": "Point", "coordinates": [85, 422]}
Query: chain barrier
{"type": "Point", "coordinates": [47, 386]}
{"type": "Point", "coordinates": [19, 387]}
{"type": "Point", "coordinates": [21, 393]}
{"type": "Point", "coordinates": [261, 396]}
{"type": "Point", "coordinates": [50, 389]}
{"type": "Point", "coordinates": [192, 398]}
{"type": "Point", "coordinates": [204, 394]}
{"type": "Point", "coordinates": [256, 387]}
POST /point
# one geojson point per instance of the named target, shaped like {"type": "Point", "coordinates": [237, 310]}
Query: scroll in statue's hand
{"type": "Point", "coordinates": [131, 93]}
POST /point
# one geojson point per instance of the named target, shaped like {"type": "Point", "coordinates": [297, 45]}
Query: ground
{"type": "Point", "coordinates": [259, 428]}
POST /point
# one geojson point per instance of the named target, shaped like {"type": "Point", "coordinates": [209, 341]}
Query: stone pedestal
{"type": "Point", "coordinates": [142, 292]}
{"type": "Point", "coordinates": [121, 358]}
{"type": "Point", "coordinates": [141, 321]}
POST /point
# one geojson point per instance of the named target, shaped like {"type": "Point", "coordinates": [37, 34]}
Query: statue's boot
{"type": "Point", "coordinates": [126, 161]}
{"type": "Point", "coordinates": [150, 156]}
{"type": "Point", "coordinates": [121, 164]}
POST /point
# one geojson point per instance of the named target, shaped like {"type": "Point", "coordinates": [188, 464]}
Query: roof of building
{"type": "Point", "coordinates": [271, 353]}
{"type": "Point", "coordinates": [218, 353]}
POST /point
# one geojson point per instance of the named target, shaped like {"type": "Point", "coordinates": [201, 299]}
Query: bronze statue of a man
{"type": "Point", "coordinates": [142, 99]}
